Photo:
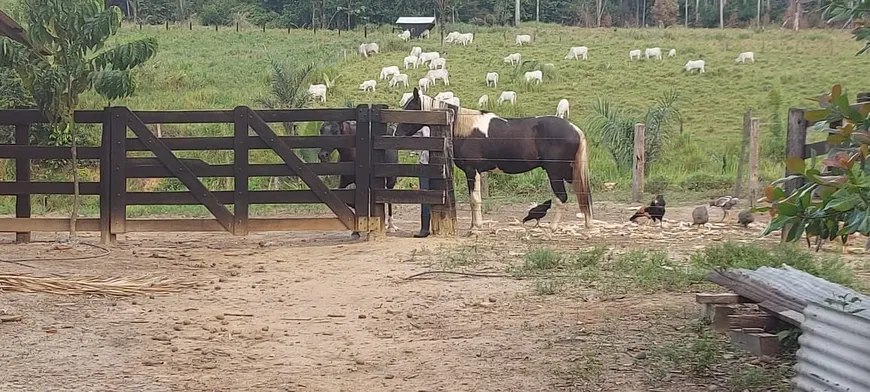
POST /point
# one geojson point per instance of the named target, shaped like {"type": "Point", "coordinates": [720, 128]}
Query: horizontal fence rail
{"type": "Point", "coordinates": [126, 132]}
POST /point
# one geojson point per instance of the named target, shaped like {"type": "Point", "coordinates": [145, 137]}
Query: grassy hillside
{"type": "Point", "coordinates": [202, 69]}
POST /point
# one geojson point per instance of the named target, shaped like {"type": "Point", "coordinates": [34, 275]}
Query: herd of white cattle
{"type": "Point", "coordinates": [437, 66]}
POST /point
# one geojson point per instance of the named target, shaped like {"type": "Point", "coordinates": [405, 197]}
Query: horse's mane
{"type": "Point", "coordinates": [466, 119]}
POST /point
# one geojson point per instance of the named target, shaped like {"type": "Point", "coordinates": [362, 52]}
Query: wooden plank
{"type": "Point", "coordinates": [254, 225]}
{"type": "Point", "coordinates": [10, 151]}
{"type": "Point", "coordinates": [764, 321]}
{"type": "Point", "coordinates": [255, 143]}
{"type": "Point", "coordinates": [741, 159]}
{"type": "Point", "coordinates": [294, 163]}
{"type": "Point", "coordinates": [151, 168]}
{"type": "Point", "coordinates": [363, 166]}
{"type": "Point", "coordinates": [48, 188]}
{"type": "Point", "coordinates": [408, 143]}
{"type": "Point", "coordinates": [754, 191]}
{"type": "Point", "coordinates": [11, 225]}
{"type": "Point", "coordinates": [226, 197]}
{"type": "Point", "coordinates": [22, 175]}
{"type": "Point", "coordinates": [407, 170]}
{"type": "Point", "coordinates": [241, 165]}
{"type": "Point", "coordinates": [817, 148]}
{"type": "Point", "coordinates": [118, 178]}
{"type": "Point", "coordinates": [759, 344]}
{"type": "Point", "coordinates": [106, 236]}
{"type": "Point", "coordinates": [377, 210]}
{"type": "Point", "coordinates": [639, 162]}
{"type": "Point", "coordinates": [434, 117]}
{"type": "Point", "coordinates": [721, 299]}
{"type": "Point", "coordinates": [165, 155]}
{"type": "Point", "coordinates": [34, 116]}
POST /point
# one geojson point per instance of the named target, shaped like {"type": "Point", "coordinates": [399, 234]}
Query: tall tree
{"type": "Point", "coordinates": [69, 57]}
{"type": "Point", "coordinates": [666, 12]}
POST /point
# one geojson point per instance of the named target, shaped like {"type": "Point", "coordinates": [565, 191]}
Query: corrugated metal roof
{"type": "Point", "coordinates": [415, 20]}
{"type": "Point", "coordinates": [834, 352]}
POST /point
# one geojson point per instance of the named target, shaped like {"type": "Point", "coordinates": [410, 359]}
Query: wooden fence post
{"type": "Point", "coordinates": [362, 170]}
{"type": "Point", "coordinates": [22, 175]}
{"type": "Point", "coordinates": [796, 138]}
{"type": "Point", "coordinates": [637, 174]}
{"type": "Point", "coordinates": [741, 159]}
{"type": "Point", "coordinates": [753, 160]}
{"type": "Point", "coordinates": [378, 128]}
{"type": "Point", "coordinates": [118, 181]}
{"type": "Point", "coordinates": [106, 235]}
{"type": "Point", "coordinates": [444, 215]}
{"type": "Point", "coordinates": [240, 174]}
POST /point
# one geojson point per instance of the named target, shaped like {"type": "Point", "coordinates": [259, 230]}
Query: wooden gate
{"type": "Point", "coordinates": [251, 132]}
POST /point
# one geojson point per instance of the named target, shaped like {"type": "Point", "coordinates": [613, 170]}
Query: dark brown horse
{"type": "Point", "coordinates": [337, 128]}
{"type": "Point", "coordinates": [483, 141]}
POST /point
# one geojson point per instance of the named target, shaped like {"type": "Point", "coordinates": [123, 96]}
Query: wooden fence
{"type": "Point", "coordinates": [251, 132]}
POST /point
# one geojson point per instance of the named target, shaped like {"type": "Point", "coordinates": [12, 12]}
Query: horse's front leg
{"type": "Point", "coordinates": [472, 177]}
{"type": "Point", "coordinates": [391, 224]}
{"type": "Point", "coordinates": [561, 197]}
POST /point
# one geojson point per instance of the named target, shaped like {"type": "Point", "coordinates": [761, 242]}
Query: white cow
{"type": "Point", "coordinates": [411, 60]}
{"type": "Point", "coordinates": [507, 96]}
{"type": "Point", "coordinates": [440, 62]}
{"type": "Point", "coordinates": [436, 74]}
{"type": "Point", "coordinates": [405, 98]}
{"type": "Point", "coordinates": [653, 52]}
{"type": "Point", "coordinates": [423, 84]}
{"type": "Point", "coordinates": [425, 34]}
{"type": "Point", "coordinates": [634, 53]}
{"type": "Point", "coordinates": [513, 59]}
{"type": "Point", "coordinates": [399, 78]}
{"type": "Point", "coordinates": [365, 49]}
{"type": "Point", "coordinates": [492, 77]}
{"type": "Point", "coordinates": [577, 52]}
{"type": "Point", "coordinates": [534, 75]}
{"type": "Point", "coordinates": [387, 71]}
{"type": "Point", "coordinates": [562, 109]}
{"type": "Point", "coordinates": [426, 57]}
{"type": "Point", "coordinates": [742, 57]}
{"type": "Point", "coordinates": [368, 85]}
{"type": "Point", "coordinates": [415, 51]}
{"type": "Point", "coordinates": [672, 53]}
{"type": "Point", "coordinates": [406, 35]}
{"type": "Point", "coordinates": [451, 37]}
{"type": "Point", "coordinates": [692, 65]}
{"type": "Point", "coordinates": [483, 101]}
{"type": "Point", "coordinates": [464, 39]}
{"type": "Point", "coordinates": [317, 91]}
{"type": "Point", "coordinates": [444, 95]}
{"type": "Point", "coordinates": [524, 39]}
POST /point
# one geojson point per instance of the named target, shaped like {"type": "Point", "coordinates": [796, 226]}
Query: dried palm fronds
{"type": "Point", "coordinates": [91, 285]}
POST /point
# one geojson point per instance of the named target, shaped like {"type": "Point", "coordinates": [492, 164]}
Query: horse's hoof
{"type": "Point", "coordinates": [392, 229]}
{"type": "Point", "coordinates": [354, 236]}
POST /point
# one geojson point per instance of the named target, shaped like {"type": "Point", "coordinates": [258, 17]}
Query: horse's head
{"type": "Point", "coordinates": [334, 128]}
{"type": "Point", "coordinates": [415, 103]}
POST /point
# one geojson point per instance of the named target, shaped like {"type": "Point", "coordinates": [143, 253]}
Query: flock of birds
{"type": "Point", "coordinates": [655, 212]}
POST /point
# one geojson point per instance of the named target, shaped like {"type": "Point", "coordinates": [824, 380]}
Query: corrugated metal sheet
{"type": "Point", "coordinates": [834, 352]}
{"type": "Point", "coordinates": [416, 20]}
{"type": "Point", "coordinates": [798, 286]}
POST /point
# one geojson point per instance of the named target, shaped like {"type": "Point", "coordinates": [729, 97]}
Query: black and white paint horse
{"type": "Point", "coordinates": [483, 141]}
{"type": "Point", "coordinates": [337, 128]}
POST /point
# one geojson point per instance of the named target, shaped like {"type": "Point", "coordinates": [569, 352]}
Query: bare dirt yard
{"type": "Point", "coordinates": [321, 312]}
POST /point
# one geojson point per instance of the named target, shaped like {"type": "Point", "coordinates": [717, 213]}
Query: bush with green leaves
{"type": "Point", "coordinates": [700, 182]}
{"type": "Point", "coordinates": [835, 200]}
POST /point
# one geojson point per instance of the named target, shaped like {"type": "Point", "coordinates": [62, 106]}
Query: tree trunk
{"type": "Point", "coordinates": [517, 13]}
{"type": "Point", "coordinates": [721, 14]}
{"type": "Point", "coordinates": [697, 12]}
{"type": "Point", "coordinates": [643, 15]}
{"type": "Point", "coordinates": [687, 13]}
{"type": "Point", "coordinates": [758, 15]}
{"type": "Point", "coordinates": [797, 15]}
{"type": "Point", "coordinates": [181, 9]}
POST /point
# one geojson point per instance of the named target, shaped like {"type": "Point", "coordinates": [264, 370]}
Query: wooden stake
{"type": "Point", "coordinates": [637, 179]}
{"type": "Point", "coordinates": [741, 159]}
{"type": "Point", "coordinates": [753, 160]}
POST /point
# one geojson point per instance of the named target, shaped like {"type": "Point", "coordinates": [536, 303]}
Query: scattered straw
{"type": "Point", "coordinates": [91, 285]}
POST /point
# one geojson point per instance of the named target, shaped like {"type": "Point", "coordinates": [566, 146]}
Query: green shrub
{"type": "Point", "coordinates": [657, 184]}
{"type": "Point", "coordinates": [216, 13]}
{"type": "Point", "coordinates": [707, 182]}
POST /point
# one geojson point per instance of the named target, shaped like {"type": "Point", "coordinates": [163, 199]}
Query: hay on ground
{"type": "Point", "coordinates": [117, 286]}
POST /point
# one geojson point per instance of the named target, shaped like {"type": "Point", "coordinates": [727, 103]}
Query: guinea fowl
{"type": "Point", "coordinates": [725, 203]}
{"type": "Point", "coordinates": [745, 218]}
{"type": "Point", "coordinates": [538, 212]}
{"type": "Point", "coordinates": [700, 216]}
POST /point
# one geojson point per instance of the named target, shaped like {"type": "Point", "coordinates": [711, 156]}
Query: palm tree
{"type": "Point", "coordinates": [68, 57]}
{"type": "Point", "coordinates": [613, 128]}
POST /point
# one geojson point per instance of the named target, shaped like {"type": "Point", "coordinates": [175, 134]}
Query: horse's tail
{"type": "Point", "coordinates": [581, 178]}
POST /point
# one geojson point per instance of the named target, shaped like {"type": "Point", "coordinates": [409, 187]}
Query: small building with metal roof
{"type": "Point", "coordinates": [416, 24]}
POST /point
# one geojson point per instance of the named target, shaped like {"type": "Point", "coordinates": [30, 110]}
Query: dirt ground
{"type": "Point", "coordinates": [318, 311]}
